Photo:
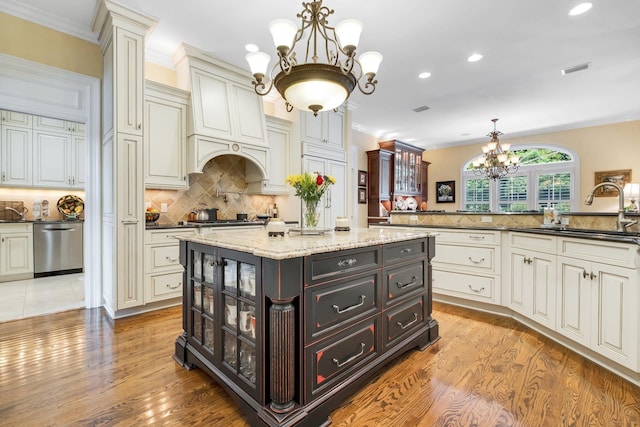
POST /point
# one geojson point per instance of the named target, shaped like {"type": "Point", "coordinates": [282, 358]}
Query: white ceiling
{"type": "Point", "coordinates": [525, 44]}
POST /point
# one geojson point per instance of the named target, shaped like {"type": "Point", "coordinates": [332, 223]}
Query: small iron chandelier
{"type": "Point", "coordinates": [321, 83]}
{"type": "Point", "coordinates": [496, 160]}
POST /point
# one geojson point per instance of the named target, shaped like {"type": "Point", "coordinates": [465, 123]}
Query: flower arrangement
{"type": "Point", "coordinates": [310, 187]}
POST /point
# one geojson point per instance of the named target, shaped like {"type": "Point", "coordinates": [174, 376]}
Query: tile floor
{"type": "Point", "coordinates": [34, 297]}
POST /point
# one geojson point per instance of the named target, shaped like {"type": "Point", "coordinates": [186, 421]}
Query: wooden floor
{"type": "Point", "coordinates": [80, 368]}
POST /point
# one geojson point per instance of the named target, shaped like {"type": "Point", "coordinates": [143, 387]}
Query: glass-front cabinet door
{"type": "Point", "coordinates": [225, 313]}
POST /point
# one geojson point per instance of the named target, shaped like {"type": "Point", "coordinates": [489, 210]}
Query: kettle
{"type": "Point", "coordinates": [202, 215]}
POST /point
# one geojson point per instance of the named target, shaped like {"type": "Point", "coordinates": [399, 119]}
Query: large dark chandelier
{"type": "Point", "coordinates": [330, 71]}
{"type": "Point", "coordinates": [496, 160]}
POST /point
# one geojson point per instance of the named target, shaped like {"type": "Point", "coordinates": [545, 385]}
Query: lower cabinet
{"type": "Point", "coordinates": [163, 271]}
{"type": "Point", "coordinates": [16, 251]}
{"type": "Point", "coordinates": [288, 338]}
{"type": "Point", "coordinates": [531, 282]}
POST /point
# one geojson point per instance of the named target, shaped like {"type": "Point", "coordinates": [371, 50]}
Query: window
{"type": "Point", "coordinates": [546, 177]}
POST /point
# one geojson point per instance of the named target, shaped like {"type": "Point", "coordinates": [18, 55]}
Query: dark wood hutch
{"type": "Point", "coordinates": [396, 172]}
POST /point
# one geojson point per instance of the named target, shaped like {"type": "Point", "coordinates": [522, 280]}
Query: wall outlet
{"type": "Point", "coordinates": [486, 219]}
{"type": "Point", "coordinates": [163, 207]}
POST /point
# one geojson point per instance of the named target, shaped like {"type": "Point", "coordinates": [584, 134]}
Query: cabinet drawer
{"type": "Point", "coordinates": [466, 257]}
{"type": "Point", "coordinates": [404, 251]}
{"type": "Point", "coordinates": [477, 237]}
{"type": "Point", "coordinates": [347, 301]}
{"type": "Point", "coordinates": [620, 254]}
{"type": "Point", "coordinates": [404, 280]}
{"type": "Point", "coordinates": [332, 265]}
{"type": "Point", "coordinates": [480, 288]}
{"type": "Point", "coordinates": [161, 257]}
{"type": "Point", "coordinates": [330, 361]}
{"type": "Point", "coordinates": [536, 242]}
{"type": "Point", "coordinates": [163, 286]}
{"type": "Point", "coordinates": [168, 235]}
{"type": "Point", "coordinates": [401, 321]}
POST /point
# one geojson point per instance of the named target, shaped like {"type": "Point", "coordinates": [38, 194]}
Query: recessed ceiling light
{"type": "Point", "coordinates": [575, 68]}
{"type": "Point", "coordinates": [580, 9]}
{"type": "Point", "coordinates": [424, 75]}
{"type": "Point", "coordinates": [474, 58]}
{"type": "Point", "coordinates": [421, 108]}
{"type": "Point", "coordinates": [251, 48]}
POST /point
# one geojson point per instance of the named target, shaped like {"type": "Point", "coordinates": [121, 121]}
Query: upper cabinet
{"type": "Point", "coordinates": [407, 165]}
{"type": "Point", "coordinates": [42, 152]}
{"type": "Point", "coordinates": [129, 81]}
{"type": "Point", "coordinates": [324, 135]}
{"type": "Point", "coordinates": [165, 137]}
{"type": "Point", "coordinates": [278, 160]}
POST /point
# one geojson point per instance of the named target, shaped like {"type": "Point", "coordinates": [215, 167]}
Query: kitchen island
{"type": "Point", "coordinates": [291, 326]}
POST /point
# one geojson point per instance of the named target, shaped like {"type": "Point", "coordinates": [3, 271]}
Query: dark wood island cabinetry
{"type": "Point", "coordinates": [292, 326]}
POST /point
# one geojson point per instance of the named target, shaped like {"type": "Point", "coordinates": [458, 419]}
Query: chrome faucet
{"type": "Point", "coordinates": [22, 214]}
{"type": "Point", "coordinates": [621, 223]}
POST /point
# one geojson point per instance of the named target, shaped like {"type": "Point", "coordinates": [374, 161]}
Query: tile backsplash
{"type": "Point", "coordinates": [222, 176]}
{"type": "Point", "coordinates": [28, 196]}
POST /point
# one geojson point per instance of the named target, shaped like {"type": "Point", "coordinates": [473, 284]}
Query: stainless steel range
{"type": "Point", "coordinates": [57, 248]}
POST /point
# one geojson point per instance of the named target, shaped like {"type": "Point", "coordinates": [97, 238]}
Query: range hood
{"type": "Point", "coordinates": [225, 116]}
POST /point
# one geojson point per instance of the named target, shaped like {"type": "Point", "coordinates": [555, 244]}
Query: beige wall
{"type": "Point", "coordinates": [599, 148]}
{"type": "Point", "coordinates": [40, 44]}
{"type": "Point", "coordinates": [363, 143]}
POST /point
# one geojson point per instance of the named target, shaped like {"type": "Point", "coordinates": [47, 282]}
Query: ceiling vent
{"type": "Point", "coordinates": [575, 68]}
{"type": "Point", "coordinates": [423, 108]}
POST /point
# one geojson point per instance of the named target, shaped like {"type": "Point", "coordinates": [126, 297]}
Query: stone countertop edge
{"type": "Point", "coordinates": [293, 245]}
{"type": "Point", "coordinates": [595, 235]}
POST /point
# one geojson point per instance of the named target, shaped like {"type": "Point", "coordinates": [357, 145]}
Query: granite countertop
{"type": "Point", "coordinates": [606, 235]}
{"type": "Point", "coordinates": [293, 245]}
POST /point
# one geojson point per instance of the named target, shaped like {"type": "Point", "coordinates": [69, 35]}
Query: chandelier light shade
{"type": "Point", "coordinates": [330, 71]}
{"type": "Point", "coordinates": [496, 160]}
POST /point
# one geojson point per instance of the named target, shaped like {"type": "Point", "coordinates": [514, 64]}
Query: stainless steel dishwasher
{"type": "Point", "coordinates": [57, 248]}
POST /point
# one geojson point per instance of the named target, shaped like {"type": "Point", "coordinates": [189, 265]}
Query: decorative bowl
{"type": "Point", "coordinates": [151, 216]}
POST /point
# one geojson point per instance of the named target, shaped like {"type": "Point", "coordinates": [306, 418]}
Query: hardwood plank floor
{"type": "Point", "coordinates": [81, 368]}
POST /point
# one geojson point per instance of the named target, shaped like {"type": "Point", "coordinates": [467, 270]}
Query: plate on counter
{"type": "Point", "coordinates": [412, 203]}
{"type": "Point", "coordinates": [70, 206]}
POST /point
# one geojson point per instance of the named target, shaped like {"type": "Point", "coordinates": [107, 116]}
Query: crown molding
{"type": "Point", "coordinates": [55, 22]}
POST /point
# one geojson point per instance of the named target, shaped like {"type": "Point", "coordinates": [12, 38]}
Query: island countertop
{"type": "Point", "coordinates": [292, 245]}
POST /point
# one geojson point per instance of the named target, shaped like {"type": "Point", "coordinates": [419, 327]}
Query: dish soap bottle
{"type": "Point", "coordinates": [275, 211]}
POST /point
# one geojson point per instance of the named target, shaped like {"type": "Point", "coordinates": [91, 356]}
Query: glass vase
{"type": "Point", "coordinates": [310, 213]}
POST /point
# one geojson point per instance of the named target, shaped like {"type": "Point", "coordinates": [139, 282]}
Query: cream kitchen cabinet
{"type": "Point", "coordinates": [324, 135]}
{"type": "Point", "coordinates": [16, 251]}
{"type": "Point", "coordinates": [531, 277]}
{"type": "Point", "coordinates": [14, 118]}
{"type": "Point", "coordinates": [129, 81]}
{"type": "Point", "coordinates": [58, 159]}
{"type": "Point", "coordinates": [467, 264]}
{"type": "Point", "coordinates": [279, 137]}
{"type": "Point", "coordinates": [16, 152]}
{"type": "Point", "coordinates": [165, 137]}
{"type": "Point", "coordinates": [334, 201]}
{"type": "Point", "coordinates": [598, 298]}
{"type": "Point", "coordinates": [163, 271]}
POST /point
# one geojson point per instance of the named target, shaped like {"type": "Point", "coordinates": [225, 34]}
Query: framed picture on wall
{"type": "Point", "coordinates": [362, 195]}
{"type": "Point", "coordinates": [620, 177]}
{"type": "Point", "coordinates": [445, 192]}
{"type": "Point", "coordinates": [362, 178]}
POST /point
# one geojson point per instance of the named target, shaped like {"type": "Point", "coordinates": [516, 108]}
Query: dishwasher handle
{"type": "Point", "coordinates": [57, 229]}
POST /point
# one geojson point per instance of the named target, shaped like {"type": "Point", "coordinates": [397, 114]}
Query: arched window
{"type": "Point", "coordinates": [547, 176]}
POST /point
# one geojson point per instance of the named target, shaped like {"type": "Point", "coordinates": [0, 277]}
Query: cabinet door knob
{"type": "Point", "coordinates": [585, 274]}
{"type": "Point", "coordinates": [593, 276]}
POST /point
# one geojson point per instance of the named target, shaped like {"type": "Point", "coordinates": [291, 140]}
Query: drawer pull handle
{"type": "Point", "coordinates": [171, 259]}
{"type": "Point", "coordinates": [175, 286]}
{"type": "Point", "coordinates": [340, 364]}
{"type": "Point", "coordinates": [481, 260]}
{"type": "Point", "coordinates": [347, 262]}
{"type": "Point", "coordinates": [339, 310]}
{"type": "Point", "coordinates": [406, 251]}
{"type": "Point", "coordinates": [415, 319]}
{"type": "Point", "coordinates": [476, 237]}
{"type": "Point", "coordinates": [414, 281]}
{"type": "Point", "coordinates": [476, 290]}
